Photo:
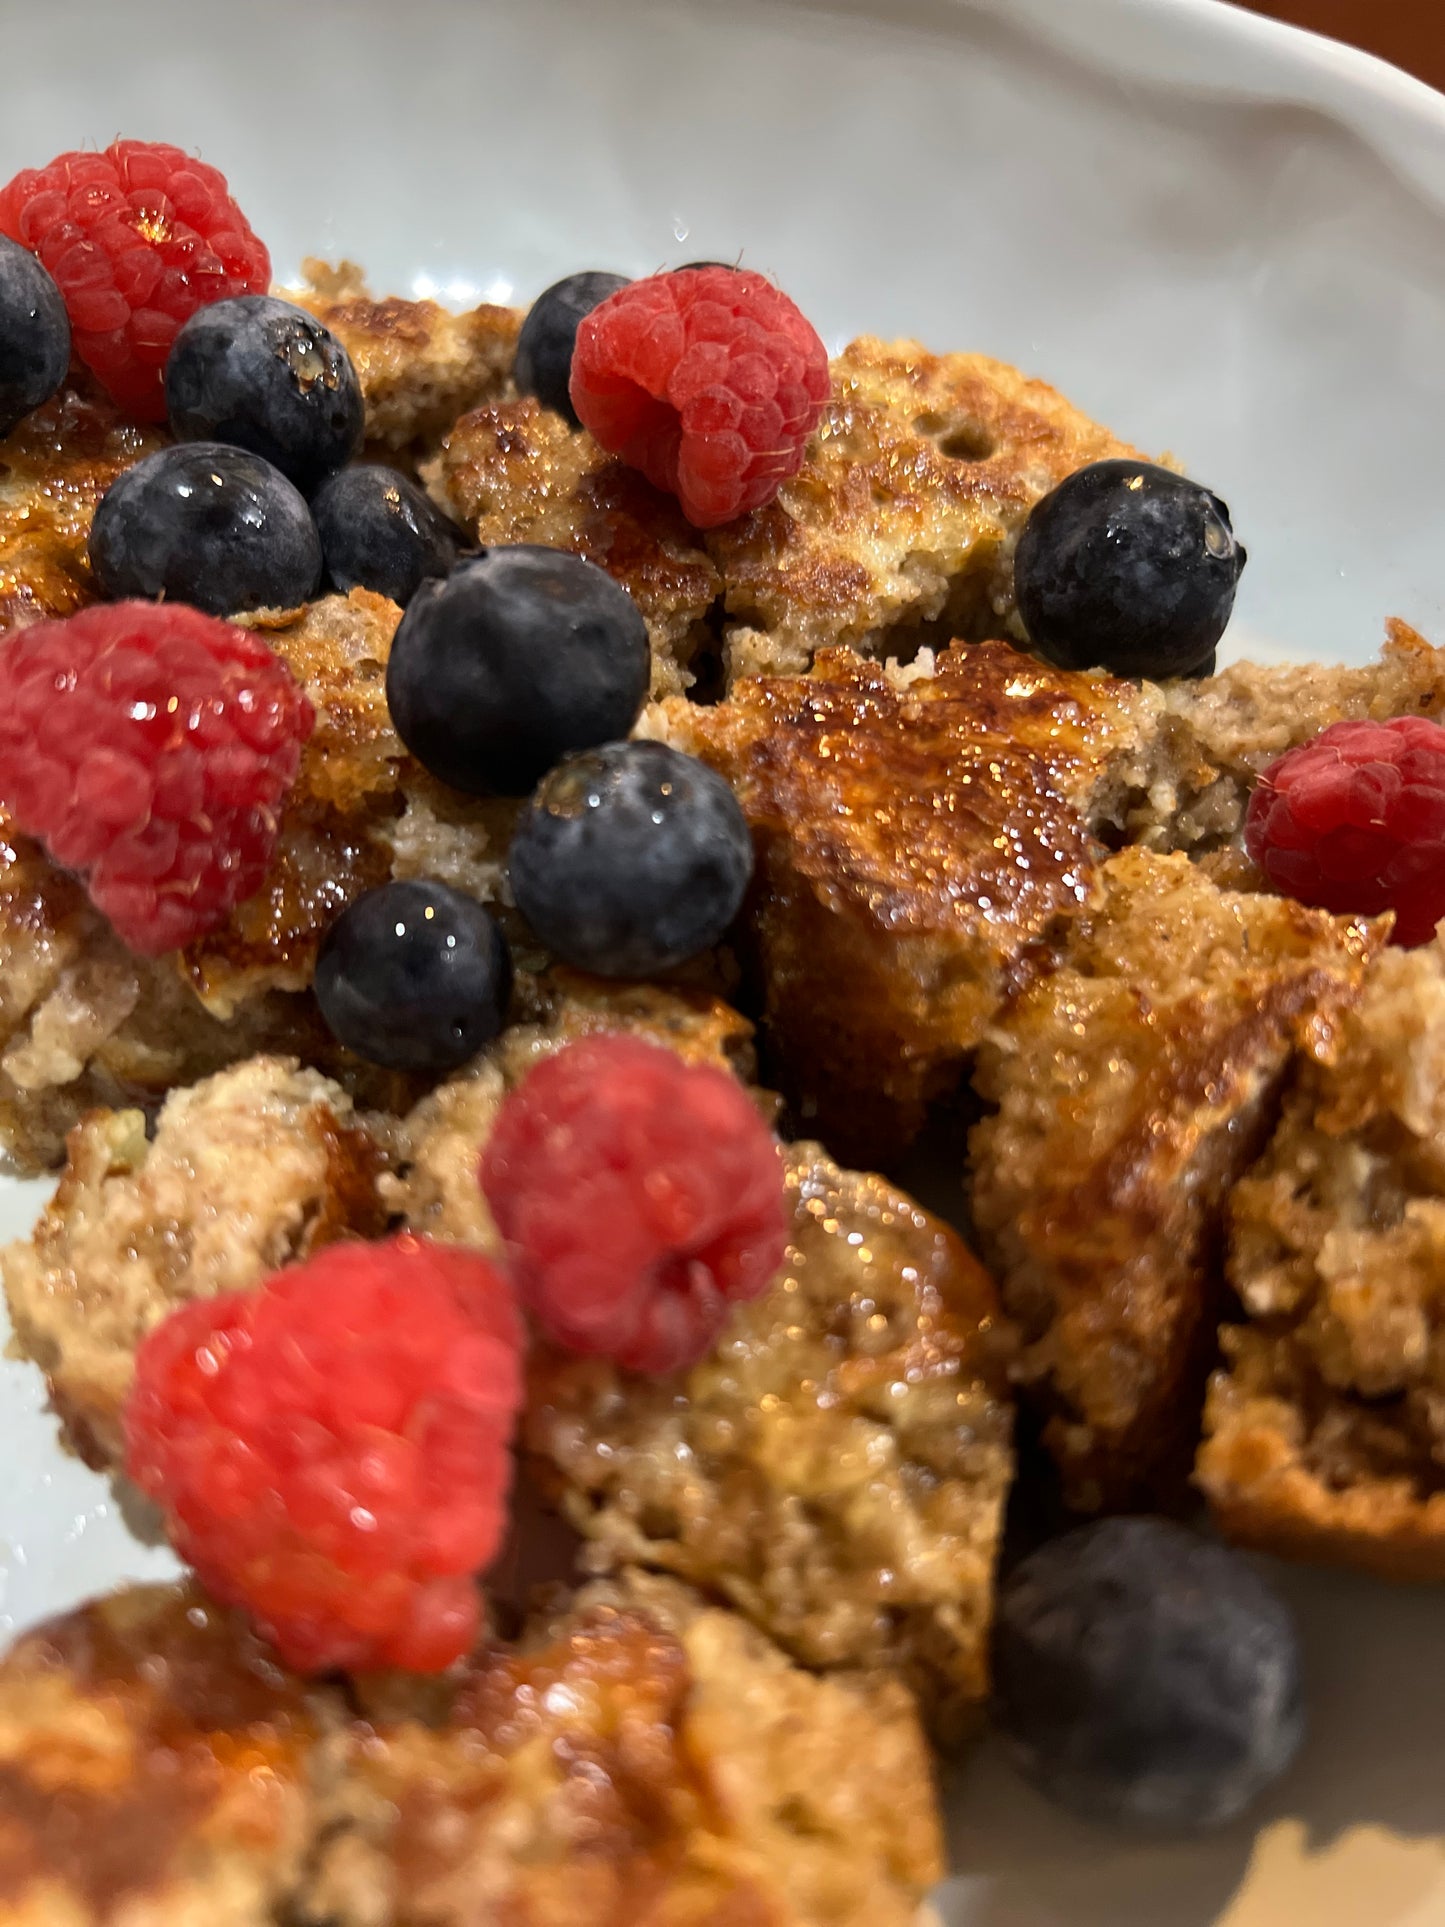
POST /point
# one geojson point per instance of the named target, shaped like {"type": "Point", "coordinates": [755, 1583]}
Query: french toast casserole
{"type": "Point", "coordinates": [982, 891]}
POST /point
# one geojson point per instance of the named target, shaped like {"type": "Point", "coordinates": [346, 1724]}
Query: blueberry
{"type": "Point", "coordinates": [380, 531]}
{"type": "Point", "coordinates": [630, 859]}
{"type": "Point", "coordinates": [521, 655]}
{"type": "Point", "coordinates": [206, 524]}
{"type": "Point", "coordinates": [549, 334]}
{"type": "Point", "coordinates": [34, 334]}
{"type": "Point", "coordinates": [1146, 1675]}
{"type": "Point", "coordinates": [267, 376]}
{"type": "Point", "coordinates": [1127, 567]}
{"type": "Point", "coordinates": [414, 976]}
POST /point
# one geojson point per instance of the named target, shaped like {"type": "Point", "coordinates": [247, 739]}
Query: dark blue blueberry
{"type": "Point", "coordinates": [414, 976]}
{"type": "Point", "coordinates": [549, 334]}
{"type": "Point", "coordinates": [266, 376]}
{"type": "Point", "coordinates": [1128, 567]}
{"type": "Point", "coordinates": [34, 334]}
{"type": "Point", "coordinates": [380, 531]}
{"type": "Point", "coordinates": [1146, 1675]}
{"type": "Point", "coordinates": [207, 524]}
{"type": "Point", "coordinates": [521, 655]}
{"type": "Point", "coordinates": [630, 859]}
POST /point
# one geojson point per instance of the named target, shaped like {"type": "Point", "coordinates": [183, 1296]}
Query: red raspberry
{"type": "Point", "coordinates": [639, 1197]}
{"type": "Point", "coordinates": [149, 748]}
{"type": "Point", "coordinates": [331, 1450]}
{"type": "Point", "coordinates": [1355, 822]}
{"type": "Point", "coordinates": [137, 239]}
{"type": "Point", "coordinates": [709, 380]}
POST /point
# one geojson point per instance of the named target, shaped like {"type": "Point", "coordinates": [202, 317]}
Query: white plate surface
{"type": "Point", "coordinates": [1224, 239]}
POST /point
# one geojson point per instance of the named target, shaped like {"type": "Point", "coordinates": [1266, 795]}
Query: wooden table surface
{"type": "Point", "coordinates": [1409, 32]}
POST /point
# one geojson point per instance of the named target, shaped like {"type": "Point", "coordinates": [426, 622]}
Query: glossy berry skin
{"type": "Point", "coordinates": [1354, 822]}
{"type": "Point", "coordinates": [641, 1197]}
{"type": "Point", "coordinates": [34, 335]}
{"type": "Point", "coordinates": [1146, 1675]}
{"type": "Point", "coordinates": [380, 531]}
{"type": "Point", "coordinates": [549, 334]}
{"type": "Point", "coordinates": [1128, 567]}
{"type": "Point", "coordinates": [266, 375]}
{"type": "Point", "coordinates": [137, 238]}
{"type": "Point", "coordinates": [206, 524]}
{"type": "Point", "coordinates": [630, 859]}
{"type": "Point", "coordinates": [521, 655]}
{"type": "Point", "coordinates": [331, 1449]}
{"type": "Point", "coordinates": [414, 976]}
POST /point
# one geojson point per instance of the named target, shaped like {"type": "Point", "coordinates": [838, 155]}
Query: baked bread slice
{"type": "Point", "coordinates": [639, 1750]}
{"type": "Point", "coordinates": [1133, 1085]}
{"type": "Point", "coordinates": [1325, 1426]}
{"type": "Point", "coordinates": [921, 836]}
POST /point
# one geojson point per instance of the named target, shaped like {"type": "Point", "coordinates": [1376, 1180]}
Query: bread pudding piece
{"type": "Point", "coordinates": [246, 1171]}
{"type": "Point", "coordinates": [84, 1022]}
{"type": "Point", "coordinates": [54, 468]}
{"type": "Point", "coordinates": [1325, 1428]}
{"type": "Point", "coordinates": [157, 1769]}
{"type": "Point", "coordinates": [838, 1466]}
{"type": "Point", "coordinates": [420, 366]}
{"type": "Point", "coordinates": [919, 834]}
{"type": "Point", "coordinates": [1220, 732]}
{"type": "Point", "coordinates": [900, 524]}
{"type": "Point", "coordinates": [1133, 1086]}
{"type": "Point", "coordinates": [642, 1755]}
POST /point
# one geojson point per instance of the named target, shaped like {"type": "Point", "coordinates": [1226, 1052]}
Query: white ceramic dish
{"type": "Point", "coordinates": [1223, 238]}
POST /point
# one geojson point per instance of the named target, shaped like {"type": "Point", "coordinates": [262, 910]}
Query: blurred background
{"type": "Point", "coordinates": [1409, 32]}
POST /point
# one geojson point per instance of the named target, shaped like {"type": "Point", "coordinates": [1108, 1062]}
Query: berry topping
{"type": "Point", "coordinates": [639, 1197]}
{"type": "Point", "coordinates": [206, 524]}
{"type": "Point", "coordinates": [267, 376]}
{"type": "Point", "coordinates": [137, 239]}
{"type": "Point", "coordinates": [414, 976]}
{"type": "Point", "coordinates": [1127, 567]}
{"type": "Point", "coordinates": [379, 531]}
{"type": "Point", "coordinates": [519, 656]}
{"type": "Point", "coordinates": [1146, 1675]}
{"type": "Point", "coordinates": [34, 335]}
{"type": "Point", "coordinates": [149, 749]}
{"type": "Point", "coordinates": [331, 1450]}
{"type": "Point", "coordinates": [630, 859]}
{"type": "Point", "coordinates": [709, 380]}
{"type": "Point", "coordinates": [1354, 822]}
{"type": "Point", "coordinates": [549, 334]}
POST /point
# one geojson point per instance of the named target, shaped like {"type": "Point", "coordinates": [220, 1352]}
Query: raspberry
{"type": "Point", "coordinates": [149, 748]}
{"type": "Point", "coordinates": [331, 1450]}
{"type": "Point", "coordinates": [137, 239]}
{"type": "Point", "coordinates": [639, 1197]}
{"type": "Point", "coordinates": [708, 379]}
{"type": "Point", "coordinates": [1355, 822]}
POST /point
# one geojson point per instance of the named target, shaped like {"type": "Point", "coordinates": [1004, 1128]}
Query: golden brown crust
{"type": "Point", "coordinates": [642, 1756]}
{"type": "Point", "coordinates": [246, 1172]}
{"type": "Point", "coordinates": [918, 836]}
{"type": "Point", "coordinates": [1133, 1085]}
{"type": "Point", "coordinates": [515, 472]}
{"type": "Point", "coordinates": [54, 468]}
{"type": "Point", "coordinates": [1325, 1431]}
{"type": "Point", "coordinates": [154, 1765]}
{"type": "Point", "coordinates": [420, 366]}
{"type": "Point", "coordinates": [836, 1467]}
